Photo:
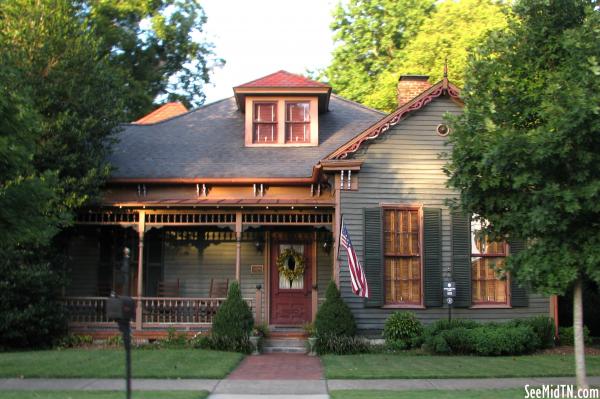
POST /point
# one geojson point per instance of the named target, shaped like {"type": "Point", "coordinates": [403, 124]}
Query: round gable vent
{"type": "Point", "coordinates": [442, 129]}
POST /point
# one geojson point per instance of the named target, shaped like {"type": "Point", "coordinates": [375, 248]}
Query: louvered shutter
{"type": "Point", "coordinates": [432, 262]}
{"type": "Point", "coordinates": [373, 254]}
{"type": "Point", "coordinates": [461, 258]}
{"type": "Point", "coordinates": [519, 295]}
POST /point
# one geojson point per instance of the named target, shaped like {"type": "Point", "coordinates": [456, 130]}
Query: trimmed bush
{"type": "Point", "coordinates": [233, 323]}
{"type": "Point", "coordinates": [217, 343]}
{"type": "Point", "coordinates": [567, 336]}
{"type": "Point", "coordinates": [543, 327]}
{"type": "Point", "coordinates": [402, 330]}
{"type": "Point", "coordinates": [334, 317]}
{"type": "Point", "coordinates": [341, 345]}
{"type": "Point", "coordinates": [462, 337]}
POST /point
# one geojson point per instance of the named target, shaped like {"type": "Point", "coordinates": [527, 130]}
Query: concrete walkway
{"type": "Point", "coordinates": [278, 387]}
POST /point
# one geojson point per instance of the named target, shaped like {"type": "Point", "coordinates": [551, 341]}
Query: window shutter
{"type": "Point", "coordinates": [373, 254]}
{"type": "Point", "coordinates": [432, 263]}
{"type": "Point", "coordinates": [461, 258]}
{"type": "Point", "coordinates": [519, 296]}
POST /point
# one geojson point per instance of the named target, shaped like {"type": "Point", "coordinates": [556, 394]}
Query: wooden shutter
{"type": "Point", "coordinates": [432, 251]}
{"type": "Point", "coordinates": [461, 258]}
{"type": "Point", "coordinates": [373, 254]}
{"type": "Point", "coordinates": [519, 295]}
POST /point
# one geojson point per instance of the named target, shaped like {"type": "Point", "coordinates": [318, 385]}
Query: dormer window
{"type": "Point", "coordinates": [264, 125]}
{"type": "Point", "coordinates": [282, 110]}
{"type": "Point", "coordinates": [297, 122]}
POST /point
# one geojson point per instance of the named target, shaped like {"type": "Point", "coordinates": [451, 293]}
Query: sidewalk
{"type": "Point", "coordinates": [273, 387]}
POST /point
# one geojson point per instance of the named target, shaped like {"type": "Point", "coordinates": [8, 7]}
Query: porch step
{"type": "Point", "coordinates": [284, 345]}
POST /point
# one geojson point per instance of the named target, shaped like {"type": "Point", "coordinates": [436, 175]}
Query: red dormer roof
{"type": "Point", "coordinates": [283, 79]}
{"type": "Point", "coordinates": [283, 83]}
{"type": "Point", "coordinates": [167, 111]}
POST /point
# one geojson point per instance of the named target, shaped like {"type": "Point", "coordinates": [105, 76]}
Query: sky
{"type": "Point", "coordinates": [259, 37]}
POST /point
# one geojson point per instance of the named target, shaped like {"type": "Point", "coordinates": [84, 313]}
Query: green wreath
{"type": "Point", "coordinates": [297, 267]}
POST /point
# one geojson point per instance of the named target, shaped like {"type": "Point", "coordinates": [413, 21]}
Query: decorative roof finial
{"type": "Point", "coordinates": [446, 67]}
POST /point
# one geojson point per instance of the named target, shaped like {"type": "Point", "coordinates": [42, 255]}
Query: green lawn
{"type": "Point", "coordinates": [110, 363]}
{"type": "Point", "coordinates": [372, 366]}
{"type": "Point", "coordinates": [100, 395]}
{"type": "Point", "coordinates": [427, 394]}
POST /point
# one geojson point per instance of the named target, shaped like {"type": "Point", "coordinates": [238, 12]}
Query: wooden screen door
{"type": "Point", "coordinates": [291, 302]}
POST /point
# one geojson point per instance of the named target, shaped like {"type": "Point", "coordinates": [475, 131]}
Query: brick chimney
{"type": "Point", "coordinates": [410, 86]}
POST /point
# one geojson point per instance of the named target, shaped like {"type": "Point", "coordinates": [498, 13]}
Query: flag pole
{"type": "Point", "coordinates": [339, 241]}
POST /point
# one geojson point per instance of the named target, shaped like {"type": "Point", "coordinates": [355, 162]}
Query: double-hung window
{"type": "Point", "coordinates": [402, 252]}
{"type": "Point", "coordinates": [488, 282]}
{"type": "Point", "coordinates": [264, 123]}
{"type": "Point", "coordinates": [297, 122]}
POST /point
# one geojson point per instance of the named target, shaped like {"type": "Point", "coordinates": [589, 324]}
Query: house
{"type": "Point", "coordinates": [253, 188]}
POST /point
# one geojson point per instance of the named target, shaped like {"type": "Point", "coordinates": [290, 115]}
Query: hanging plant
{"type": "Point", "coordinates": [290, 263]}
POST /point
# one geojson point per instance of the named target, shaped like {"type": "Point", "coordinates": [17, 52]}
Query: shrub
{"type": "Point", "coordinates": [261, 330]}
{"type": "Point", "coordinates": [173, 339]}
{"type": "Point", "coordinates": [31, 311]}
{"type": "Point", "coordinates": [75, 340]}
{"type": "Point", "coordinates": [491, 339]}
{"type": "Point", "coordinates": [543, 327]}
{"type": "Point", "coordinates": [402, 330]}
{"type": "Point", "coordinates": [567, 336]}
{"type": "Point", "coordinates": [341, 345]}
{"type": "Point", "coordinates": [334, 317]}
{"type": "Point", "coordinates": [220, 343]}
{"type": "Point", "coordinates": [234, 318]}
{"type": "Point", "coordinates": [496, 340]}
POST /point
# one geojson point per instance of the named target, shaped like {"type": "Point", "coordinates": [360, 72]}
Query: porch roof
{"type": "Point", "coordinates": [225, 202]}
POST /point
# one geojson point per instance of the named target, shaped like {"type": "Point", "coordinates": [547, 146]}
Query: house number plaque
{"type": "Point", "coordinates": [256, 269]}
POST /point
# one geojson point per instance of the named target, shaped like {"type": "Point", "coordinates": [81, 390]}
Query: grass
{"type": "Point", "coordinates": [373, 366]}
{"type": "Point", "coordinates": [110, 363]}
{"type": "Point", "coordinates": [426, 394]}
{"type": "Point", "coordinates": [100, 395]}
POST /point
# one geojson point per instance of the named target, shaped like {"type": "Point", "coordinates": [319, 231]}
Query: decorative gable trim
{"type": "Point", "coordinates": [443, 87]}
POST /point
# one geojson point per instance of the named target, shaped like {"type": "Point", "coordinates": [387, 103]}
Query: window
{"type": "Point", "coordinates": [264, 129]}
{"type": "Point", "coordinates": [402, 251]}
{"type": "Point", "coordinates": [487, 260]}
{"type": "Point", "coordinates": [297, 122]}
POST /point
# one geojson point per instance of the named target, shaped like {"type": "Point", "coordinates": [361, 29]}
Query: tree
{"type": "Point", "coordinates": [369, 35]}
{"type": "Point", "coordinates": [451, 31]}
{"type": "Point", "coordinates": [157, 44]}
{"type": "Point", "coordinates": [75, 91]}
{"type": "Point", "coordinates": [526, 151]}
{"type": "Point", "coordinates": [60, 105]}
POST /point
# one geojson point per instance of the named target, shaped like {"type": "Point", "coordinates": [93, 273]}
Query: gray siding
{"type": "Point", "coordinates": [404, 167]}
{"type": "Point", "coordinates": [195, 269]}
{"type": "Point", "coordinates": [324, 270]}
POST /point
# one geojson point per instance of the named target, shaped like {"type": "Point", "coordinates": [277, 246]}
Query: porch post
{"type": "Point", "coordinates": [238, 245]}
{"type": "Point", "coordinates": [140, 279]}
{"type": "Point", "coordinates": [336, 229]}
{"type": "Point", "coordinates": [314, 276]}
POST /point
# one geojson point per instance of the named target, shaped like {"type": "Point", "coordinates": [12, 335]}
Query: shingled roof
{"type": "Point", "coordinates": [209, 143]}
{"type": "Point", "coordinates": [283, 79]}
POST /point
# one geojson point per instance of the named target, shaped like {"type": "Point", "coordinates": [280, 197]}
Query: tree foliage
{"type": "Point", "coordinates": [526, 151]}
{"type": "Point", "coordinates": [380, 40]}
{"type": "Point", "coordinates": [369, 35]}
{"type": "Point", "coordinates": [451, 32]}
{"type": "Point", "coordinates": [157, 44]}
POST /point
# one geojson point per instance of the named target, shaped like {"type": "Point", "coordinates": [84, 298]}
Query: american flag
{"type": "Point", "coordinates": [357, 274]}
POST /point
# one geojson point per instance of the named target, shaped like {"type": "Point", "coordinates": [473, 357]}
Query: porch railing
{"type": "Point", "coordinates": [155, 310]}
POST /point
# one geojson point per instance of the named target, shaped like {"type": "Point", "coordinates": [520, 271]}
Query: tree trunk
{"type": "Point", "coordinates": [578, 332]}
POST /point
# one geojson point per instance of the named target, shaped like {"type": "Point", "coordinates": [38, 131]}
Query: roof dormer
{"type": "Point", "coordinates": [282, 109]}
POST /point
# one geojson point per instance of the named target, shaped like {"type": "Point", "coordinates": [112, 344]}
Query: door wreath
{"type": "Point", "coordinates": [290, 264]}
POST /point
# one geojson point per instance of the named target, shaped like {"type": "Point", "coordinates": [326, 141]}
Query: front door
{"type": "Point", "coordinates": [290, 300]}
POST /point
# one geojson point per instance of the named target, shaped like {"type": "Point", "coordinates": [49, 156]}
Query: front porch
{"type": "Point", "coordinates": [181, 262]}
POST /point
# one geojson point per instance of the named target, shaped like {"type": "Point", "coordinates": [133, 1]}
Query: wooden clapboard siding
{"type": "Point", "coordinates": [403, 167]}
{"type": "Point", "coordinates": [195, 269]}
{"type": "Point", "coordinates": [84, 258]}
{"type": "Point", "coordinates": [324, 265]}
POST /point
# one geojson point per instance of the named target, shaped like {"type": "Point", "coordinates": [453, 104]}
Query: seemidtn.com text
{"type": "Point", "coordinates": [560, 391]}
